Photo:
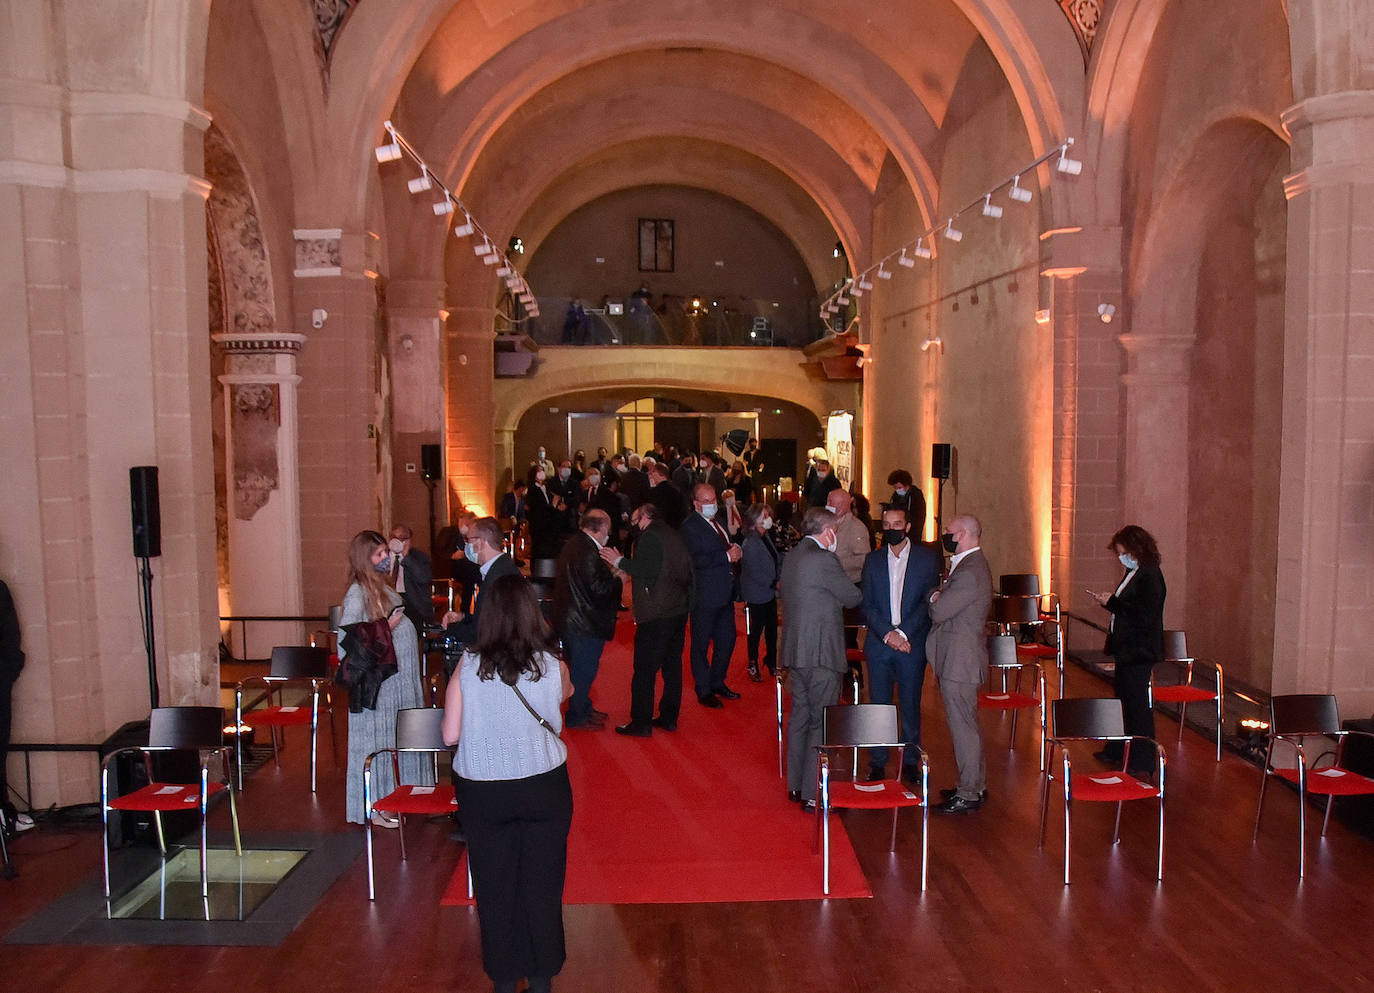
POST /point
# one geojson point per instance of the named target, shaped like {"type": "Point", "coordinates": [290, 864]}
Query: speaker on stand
{"type": "Point", "coordinates": [941, 460]}
{"type": "Point", "coordinates": [147, 533]}
{"type": "Point", "coordinates": [431, 469]}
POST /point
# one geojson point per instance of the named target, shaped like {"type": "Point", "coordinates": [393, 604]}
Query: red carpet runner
{"type": "Point", "coordinates": [696, 816]}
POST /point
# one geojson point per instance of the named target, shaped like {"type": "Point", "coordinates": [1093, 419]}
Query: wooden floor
{"type": "Point", "coordinates": [1229, 915]}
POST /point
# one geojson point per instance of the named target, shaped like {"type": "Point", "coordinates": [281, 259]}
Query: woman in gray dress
{"type": "Point", "coordinates": [369, 598]}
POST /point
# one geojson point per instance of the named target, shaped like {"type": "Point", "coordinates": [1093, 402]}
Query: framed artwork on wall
{"type": "Point", "coordinates": [655, 244]}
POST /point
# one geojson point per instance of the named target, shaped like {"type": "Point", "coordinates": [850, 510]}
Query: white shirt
{"type": "Point", "coordinates": [896, 580]}
{"type": "Point", "coordinates": [960, 556]}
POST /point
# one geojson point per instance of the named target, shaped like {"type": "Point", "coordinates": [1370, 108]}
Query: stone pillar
{"type": "Point", "coordinates": [469, 451]}
{"type": "Point", "coordinates": [414, 342]}
{"type": "Point", "coordinates": [1323, 622]}
{"type": "Point", "coordinates": [264, 499]}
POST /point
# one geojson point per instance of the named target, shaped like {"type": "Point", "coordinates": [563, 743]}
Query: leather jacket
{"type": "Point", "coordinates": [586, 594]}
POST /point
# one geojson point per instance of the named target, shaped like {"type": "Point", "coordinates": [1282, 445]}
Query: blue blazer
{"type": "Point", "coordinates": [714, 572]}
{"type": "Point", "coordinates": [922, 576]}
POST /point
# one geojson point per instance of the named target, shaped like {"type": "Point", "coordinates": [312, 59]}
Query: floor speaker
{"type": "Point", "coordinates": [147, 516]}
{"type": "Point", "coordinates": [429, 462]}
{"type": "Point", "coordinates": [941, 458]}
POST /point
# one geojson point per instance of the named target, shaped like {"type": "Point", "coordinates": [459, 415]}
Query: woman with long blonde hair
{"type": "Point", "coordinates": [370, 597]}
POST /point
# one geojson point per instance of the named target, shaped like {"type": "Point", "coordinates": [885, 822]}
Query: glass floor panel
{"type": "Point", "coordinates": [237, 886]}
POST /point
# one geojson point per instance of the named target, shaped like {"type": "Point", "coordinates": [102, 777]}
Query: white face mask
{"type": "Point", "coordinates": [833, 510]}
{"type": "Point", "coordinates": [821, 473]}
{"type": "Point", "coordinates": [593, 479]}
{"type": "Point", "coordinates": [901, 491]}
{"type": "Point", "coordinates": [767, 523]}
{"type": "Point", "coordinates": [833, 544]}
{"type": "Point", "coordinates": [564, 473]}
{"type": "Point", "coordinates": [470, 550]}
{"type": "Point", "coordinates": [708, 510]}
{"type": "Point", "coordinates": [541, 453]}
{"type": "Point", "coordinates": [1129, 561]}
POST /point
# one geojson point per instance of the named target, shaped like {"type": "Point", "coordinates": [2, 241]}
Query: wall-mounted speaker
{"type": "Point", "coordinates": [941, 459]}
{"type": "Point", "coordinates": [147, 515]}
{"type": "Point", "coordinates": [430, 464]}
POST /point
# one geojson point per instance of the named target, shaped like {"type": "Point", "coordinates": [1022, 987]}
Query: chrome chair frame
{"type": "Point", "coordinates": [885, 715]}
{"type": "Point", "coordinates": [1176, 654]}
{"type": "Point", "coordinates": [288, 660]}
{"type": "Point", "coordinates": [1093, 719]}
{"type": "Point", "coordinates": [166, 725]}
{"type": "Point", "coordinates": [1293, 718]}
{"type": "Point", "coordinates": [1002, 659]}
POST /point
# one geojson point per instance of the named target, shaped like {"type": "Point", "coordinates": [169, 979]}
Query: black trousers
{"type": "Point", "coordinates": [763, 620]}
{"type": "Point", "coordinates": [713, 633]}
{"type": "Point", "coordinates": [6, 692]}
{"type": "Point", "coordinates": [1132, 684]}
{"type": "Point", "coordinates": [658, 647]}
{"type": "Point", "coordinates": [517, 832]}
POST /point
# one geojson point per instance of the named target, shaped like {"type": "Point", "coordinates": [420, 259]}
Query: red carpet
{"type": "Point", "coordinates": [696, 816]}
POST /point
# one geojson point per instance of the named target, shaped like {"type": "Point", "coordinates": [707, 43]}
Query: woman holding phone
{"type": "Point", "coordinates": [370, 597]}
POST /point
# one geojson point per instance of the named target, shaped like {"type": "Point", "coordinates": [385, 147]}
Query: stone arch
{"type": "Point", "coordinates": [237, 242]}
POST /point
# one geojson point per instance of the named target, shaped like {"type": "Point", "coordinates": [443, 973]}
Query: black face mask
{"type": "Point", "coordinates": [950, 543]}
{"type": "Point", "coordinates": [893, 536]}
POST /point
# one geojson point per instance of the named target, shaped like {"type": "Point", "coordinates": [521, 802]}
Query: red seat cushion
{"type": "Point", "coordinates": [1111, 787]}
{"type": "Point", "coordinates": [1006, 701]}
{"type": "Point", "coordinates": [882, 795]}
{"type": "Point", "coordinates": [1036, 650]}
{"type": "Point", "coordinates": [1331, 781]}
{"type": "Point", "coordinates": [1183, 694]}
{"type": "Point", "coordinates": [278, 716]}
{"type": "Point", "coordinates": [163, 796]}
{"type": "Point", "coordinates": [853, 655]}
{"type": "Point", "coordinates": [430, 800]}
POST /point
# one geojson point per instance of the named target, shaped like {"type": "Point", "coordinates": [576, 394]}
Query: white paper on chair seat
{"type": "Point", "coordinates": [999, 696]}
{"type": "Point", "coordinates": [869, 787]}
{"type": "Point", "coordinates": [168, 790]}
{"type": "Point", "coordinates": [421, 790]}
{"type": "Point", "coordinates": [1333, 773]}
{"type": "Point", "coordinates": [288, 710]}
{"type": "Point", "coordinates": [1107, 780]}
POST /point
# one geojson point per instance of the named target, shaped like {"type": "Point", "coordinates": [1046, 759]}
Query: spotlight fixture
{"type": "Point", "coordinates": [465, 229]}
{"type": "Point", "coordinates": [973, 297]}
{"type": "Point", "coordinates": [842, 300]}
{"type": "Point", "coordinates": [492, 257]}
{"type": "Point", "coordinates": [883, 273]}
{"type": "Point", "coordinates": [831, 308]}
{"type": "Point", "coordinates": [865, 282]}
{"type": "Point", "coordinates": [512, 282]}
{"type": "Point", "coordinates": [1066, 165]}
{"type": "Point", "coordinates": [837, 251]}
{"type": "Point", "coordinates": [857, 290]}
{"type": "Point", "coordinates": [1018, 192]}
{"type": "Point", "coordinates": [905, 260]}
{"type": "Point", "coordinates": [420, 183]}
{"type": "Point", "coordinates": [951, 232]}
{"type": "Point", "coordinates": [1042, 316]}
{"type": "Point", "coordinates": [505, 270]}
{"type": "Point", "coordinates": [921, 251]}
{"type": "Point", "coordinates": [389, 152]}
{"type": "Point", "coordinates": [482, 249]}
{"type": "Point", "coordinates": [930, 343]}
{"type": "Point", "coordinates": [991, 209]}
{"type": "Point", "coordinates": [442, 207]}
{"type": "Point", "coordinates": [1105, 312]}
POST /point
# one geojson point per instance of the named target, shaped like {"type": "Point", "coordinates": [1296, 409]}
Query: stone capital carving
{"type": "Point", "coordinates": [318, 252]}
{"type": "Point", "coordinates": [258, 343]}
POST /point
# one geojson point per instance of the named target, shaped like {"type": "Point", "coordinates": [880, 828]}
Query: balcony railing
{"type": "Point", "coordinates": [672, 320]}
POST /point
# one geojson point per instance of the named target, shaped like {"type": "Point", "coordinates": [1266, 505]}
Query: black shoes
{"type": "Point", "coordinates": [876, 773]}
{"type": "Point", "coordinates": [635, 729]}
{"type": "Point", "coordinates": [958, 805]}
{"type": "Point", "coordinates": [754, 673]}
{"type": "Point", "coordinates": [951, 792]}
{"type": "Point", "coordinates": [600, 715]}
{"type": "Point", "coordinates": [710, 700]}
{"type": "Point", "coordinates": [663, 725]}
{"type": "Point", "coordinates": [724, 692]}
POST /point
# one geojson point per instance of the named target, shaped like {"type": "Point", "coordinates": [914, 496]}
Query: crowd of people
{"type": "Point", "coordinates": [685, 538]}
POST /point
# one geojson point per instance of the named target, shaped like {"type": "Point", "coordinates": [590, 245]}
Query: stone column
{"type": "Point", "coordinates": [264, 499]}
{"type": "Point", "coordinates": [469, 451]}
{"type": "Point", "coordinates": [414, 344]}
{"type": "Point", "coordinates": [1323, 622]}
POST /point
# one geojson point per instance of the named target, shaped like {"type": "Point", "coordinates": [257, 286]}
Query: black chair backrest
{"type": "Point", "coordinates": [299, 661]}
{"type": "Point", "coordinates": [860, 724]}
{"type": "Point", "coordinates": [186, 727]}
{"type": "Point", "coordinates": [420, 727]}
{"type": "Point", "coordinates": [1086, 717]}
{"type": "Point", "coordinates": [1019, 584]}
{"type": "Point", "coordinates": [543, 570]}
{"type": "Point", "coordinates": [1002, 650]}
{"type": "Point", "coordinates": [1176, 646]}
{"type": "Point", "coordinates": [335, 616]}
{"type": "Point", "coordinates": [1304, 713]}
{"type": "Point", "coordinates": [1016, 609]}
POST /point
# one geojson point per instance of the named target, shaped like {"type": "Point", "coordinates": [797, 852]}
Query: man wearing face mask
{"type": "Point", "coordinates": [411, 575]}
{"type": "Point", "coordinates": [713, 616]}
{"type": "Point", "coordinates": [897, 582]}
{"type": "Point", "coordinates": [957, 647]}
{"type": "Point", "coordinates": [542, 461]}
{"type": "Point", "coordinates": [586, 595]}
{"type": "Point", "coordinates": [484, 546]}
{"type": "Point", "coordinates": [905, 496]}
{"type": "Point", "coordinates": [815, 592]}
{"type": "Point", "coordinates": [825, 482]}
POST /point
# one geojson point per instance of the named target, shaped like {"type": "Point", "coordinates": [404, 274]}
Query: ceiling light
{"type": "Point", "coordinates": [883, 273]}
{"type": "Point", "coordinates": [842, 300]}
{"type": "Point", "coordinates": [865, 282]}
{"type": "Point", "coordinates": [505, 270]}
{"type": "Point", "coordinates": [1042, 316]}
{"type": "Point", "coordinates": [921, 251]}
{"type": "Point", "coordinates": [516, 245]}
{"type": "Point", "coordinates": [1066, 165]}
{"type": "Point", "coordinates": [991, 209]}
{"type": "Point", "coordinates": [492, 257]}
{"type": "Point", "coordinates": [465, 229]}
{"type": "Point", "coordinates": [951, 232]}
{"type": "Point", "coordinates": [482, 249]}
{"type": "Point", "coordinates": [1105, 312]}
{"type": "Point", "coordinates": [389, 152]}
{"type": "Point", "coordinates": [1018, 192]}
{"type": "Point", "coordinates": [832, 308]}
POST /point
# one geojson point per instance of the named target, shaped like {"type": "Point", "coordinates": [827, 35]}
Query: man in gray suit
{"type": "Point", "coordinates": [957, 647]}
{"type": "Point", "coordinates": [814, 592]}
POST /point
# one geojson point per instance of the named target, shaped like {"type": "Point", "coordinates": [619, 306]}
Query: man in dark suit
{"type": "Point", "coordinates": [634, 484]}
{"type": "Point", "coordinates": [814, 593]}
{"type": "Point", "coordinates": [412, 574]}
{"type": "Point", "coordinates": [11, 662]}
{"type": "Point", "coordinates": [898, 579]}
{"type": "Point", "coordinates": [586, 595]}
{"type": "Point", "coordinates": [906, 496]}
{"type": "Point", "coordinates": [546, 516]}
{"type": "Point", "coordinates": [713, 615]}
{"type": "Point", "coordinates": [484, 546]}
{"type": "Point", "coordinates": [824, 482]}
{"type": "Point", "coordinates": [710, 472]}
{"type": "Point", "coordinates": [685, 475]}
{"type": "Point", "coordinates": [957, 647]}
{"type": "Point", "coordinates": [672, 508]}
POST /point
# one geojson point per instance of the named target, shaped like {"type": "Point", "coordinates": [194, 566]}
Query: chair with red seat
{"type": "Point", "coordinates": [197, 732]}
{"type": "Point", "coordinates": [418, 729]}
{"type": "Point", "coordinates": [292, 667]}
{"type": "Point", "coordinates": [1293, 719]}
{"type": "Point", "coordinates": [1003, 660]}
{"type": "Point", "coordinates": [1186, 692]}
{"type": "Point", "coordinates": [851, 727]}
{"type": "Point", "coordinates": [854, 655]}
{"type": "Point", "coordinates": [1097, 720]}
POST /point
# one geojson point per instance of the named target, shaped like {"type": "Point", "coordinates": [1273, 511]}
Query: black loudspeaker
{"type": "Point", "coordinates": [429, 462]}
{"type": "Point", "coordinates": [146, 513]}
{"type": "Point", "coordinates": [941, 457]}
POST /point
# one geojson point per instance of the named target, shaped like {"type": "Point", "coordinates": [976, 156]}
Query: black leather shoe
{"type": "Point", "coordinates": [725, 693]}
{"type": "Point", "coordinates": [635, 729]}
{"type": "Point", "coordinates": [952, 791]}
{"type": "Point", "coordinates": [710, 700]}
{"type": "Point", "coordinates": [808, 806]}
{"type": "Point", "coordinates": [600, 715]}
{"type": "Point", "coordinates": [876, 773]}
{"type": "Point", "coordinates": [794, 796]}
{"type": "Point", "coordinates": [754, 673]}
{"type": "Point", "coordinates": [957, 805]}
{"type": "Point", "coordinates": [660, 723]}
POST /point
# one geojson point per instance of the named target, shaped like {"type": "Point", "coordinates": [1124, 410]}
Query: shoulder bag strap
{"type": "Point", "coordinates": [535, 714]}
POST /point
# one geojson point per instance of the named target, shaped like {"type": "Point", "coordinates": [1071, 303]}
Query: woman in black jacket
{"type": "Point", "coordinates": [1135, 639]}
